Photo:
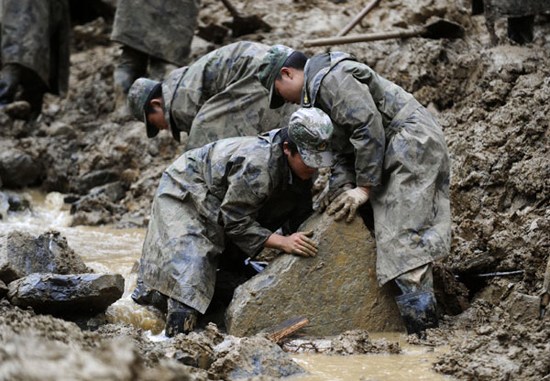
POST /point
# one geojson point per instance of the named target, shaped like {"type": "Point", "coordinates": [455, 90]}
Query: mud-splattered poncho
{"type": "Point", "coordinates": [219, 96]}
{"type": "Point", "coordinates": [160, 28]}
{"type": "Point", "coordinates": [386, 140]}
{"type": "Point", "coordinates": [36, 35]}
{"type": "Point", "coordinates": [238, 189]}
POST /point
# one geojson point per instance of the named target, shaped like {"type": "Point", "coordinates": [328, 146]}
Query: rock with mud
{"type": "Point", "coordinates": [63, 295]}
{"type": "Point", "coordinates": [3, 289]}
{"type": "Point", "coordinates": [19, 169]}
{"type": "Point", "coordinates": [521, 307]}
{"type": "Point", "coordinates": [337, 290]}
{"type": "Point", "coordinates": [245, 358]}
{"type": "Point", "coordinates": [492, 346]}
{"type": "Point", "coordinates": [353, 342]}
{"type": "Point", "coordinates": [22, 254]}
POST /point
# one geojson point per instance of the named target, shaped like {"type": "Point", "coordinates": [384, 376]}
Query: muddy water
{"type": "Point", "coordinates": [111, 250]}
{"type": "Point", "coordinates": [414, 363]}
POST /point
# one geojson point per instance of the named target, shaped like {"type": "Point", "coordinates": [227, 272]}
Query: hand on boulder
{"type": "Point", "coordinates": [300, 244]}
{"type": "Point", "coordinates": [347, 202]}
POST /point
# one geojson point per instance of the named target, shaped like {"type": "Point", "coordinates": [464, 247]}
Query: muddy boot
{"type": "Point", "coordinates": [19, 83]}
{"type": "Point", "coordinates": [145, 296]}
{"type": "Point", "coordinates": [418, 310]}
{"type": "Point", "coordinates": [33, 93]}
{"type": "Point", "coordinates": [180, 318]}
{"type": "Point", "coordinates": [10, 79]}
{"type": "Point", "coordinates": [132, 64]}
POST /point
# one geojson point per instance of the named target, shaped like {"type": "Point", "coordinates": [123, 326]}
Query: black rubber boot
{"type": "Point", "coordinates": [179, 318]}
{"type": "Point", "coordinates": [147, 297]}
{"type": "Point", "coordinates": [418, 310]}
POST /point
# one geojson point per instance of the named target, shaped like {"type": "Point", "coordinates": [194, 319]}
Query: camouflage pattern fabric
{"type": "Point", "coordinates": [237, 189]}
{"type": "Point", "coordinates": [311, 130]}
{"type": "Point", "coordinates": [383, 138]}
{"type": "Point", "coordinates": [220, 96]}
{"type": "Point", "coordinates": [35, 34]}
{"type": "Point", "coordinates": [160, 28]}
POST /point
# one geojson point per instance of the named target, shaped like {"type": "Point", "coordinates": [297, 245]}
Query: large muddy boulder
{"type": "Point", "coordinates": [22, 254]}
{"type": "Point", "coordinates": [67, 294]}
{"type": "Point", "coordinates": [337, 290]}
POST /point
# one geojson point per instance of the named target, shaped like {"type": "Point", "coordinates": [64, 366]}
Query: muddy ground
{"type": "Point", "coordinates": [492, 100]}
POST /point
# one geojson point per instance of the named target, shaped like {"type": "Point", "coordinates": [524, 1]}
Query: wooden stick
{"type": "Point", "coordinates": [287, 328]}
{"type": "Point", "coordinates": [363, 38]}
{"type": "Point", "coordinates": [358, 18]}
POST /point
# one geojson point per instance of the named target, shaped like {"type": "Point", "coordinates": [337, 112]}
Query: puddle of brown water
{"type": "Point", "coordinates": [414, 363]}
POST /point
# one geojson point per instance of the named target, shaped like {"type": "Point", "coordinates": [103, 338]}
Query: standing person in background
{"type": "Point", "coordinates": [35, 51]}
{"type": "Point", "coordinates": [218, 96]}
{"type": "Point", "coordinates": [153, 35]}
{"type": "Point", "coordinates": [390, 151]}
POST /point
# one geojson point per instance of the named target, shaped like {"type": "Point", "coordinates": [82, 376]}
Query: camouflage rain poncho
{"type": "Point", "coordinates": [237, 189]}
{"type": "Point", "coordinates": [35, 34]}
{"type": "Point", "coordinates": [219, 96]}
{"type": "Point", "coordinates": [386, 140]}
{"type": "Point", "coordinates": [160, 28]}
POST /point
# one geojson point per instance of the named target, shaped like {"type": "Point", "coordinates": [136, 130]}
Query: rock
{"type": "Point", "coordinates": [337, 290]}
{"type": "Point", "coordinates": [3, 289]}
{"type": "Point", "coordinates": [66, 294]}
{"type": "Point", "coordinates": [4, 205]}
{"type": "Point", "coordinates": [59, 129]}
{"type": "Point", "coordinates": [240, 359]}
{"type": "Point", "coordinates": [18, 110]}
{"type": "Point", "coordinates": [21, 254]}
{"type": "Point", "coordinates": [96, 178]}
{"type": "Point", "coordinates": [522, 308]}
{"type": "Point", "coordinates": [18, 169]}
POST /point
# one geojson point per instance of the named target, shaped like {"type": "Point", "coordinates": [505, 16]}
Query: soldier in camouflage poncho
{"type": "Point", "coordinates": [239, 191]}
{"type": "Point", "coordinates": [35, 50]}
{"type": "Point", "coordinates": [390, 150]}
{"type": "Point", "coordinates": [216, 97]}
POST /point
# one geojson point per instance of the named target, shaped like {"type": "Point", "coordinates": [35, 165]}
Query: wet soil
{"type": "Point", "coordinates": [492, 100]}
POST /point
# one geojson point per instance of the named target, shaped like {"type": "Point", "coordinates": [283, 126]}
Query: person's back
{"type": "Point", "coordinates": [219, 96]}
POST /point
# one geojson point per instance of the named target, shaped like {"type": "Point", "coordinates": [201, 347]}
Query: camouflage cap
{"type": "Point", "coordinates": [311, 130]}
{"type": "Point", "coordinates": [269, 70]}
{"type": "Point", "coordinates": [138, 96]}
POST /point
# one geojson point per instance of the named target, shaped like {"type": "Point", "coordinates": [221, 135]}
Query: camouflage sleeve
{"type": "Point", "coordinates": [248, 189]}
{"type": "Point", "coordinates": [343, 172]}
{"type": "Point", "coordinates": [352, 108]}
{"type": "Point", "coordinates": [188, 98]}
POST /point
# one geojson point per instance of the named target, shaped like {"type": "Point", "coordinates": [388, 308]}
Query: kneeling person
{"type": "Point", "coordinates": [236, 191]}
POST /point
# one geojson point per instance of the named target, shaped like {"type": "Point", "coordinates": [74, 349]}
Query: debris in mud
{"type": "Point", "coordinates": [349, 343]}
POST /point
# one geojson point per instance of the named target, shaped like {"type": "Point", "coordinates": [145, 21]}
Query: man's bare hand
{"type": "Point", "coordinates": [300, 244]}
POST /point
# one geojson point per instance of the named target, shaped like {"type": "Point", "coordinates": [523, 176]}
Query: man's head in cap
{"type": "Point", "coordinates": [282, 74]}
{"type": "Point", "coordinates": [310, 130]}
{"type": "Point", "coordinates": [146, 104]}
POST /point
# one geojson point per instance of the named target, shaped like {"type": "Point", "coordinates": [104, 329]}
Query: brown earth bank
{"type": "Point", "coordinates": [492, 100]}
